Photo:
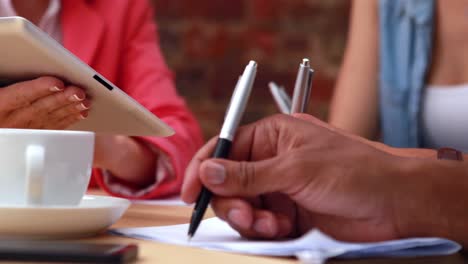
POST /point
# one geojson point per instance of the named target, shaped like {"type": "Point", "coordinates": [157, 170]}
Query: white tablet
{"type": "Point", "coordinates": [27, 52]}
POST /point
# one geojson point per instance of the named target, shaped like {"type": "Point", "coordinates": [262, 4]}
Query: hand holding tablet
{"type": "Point", "coordinates": [44, 102]}
{"type": "Point", "coordinates": [28, 53]}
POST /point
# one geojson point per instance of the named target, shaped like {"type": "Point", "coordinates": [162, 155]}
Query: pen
{"type": "Point", "coordinates": [232, 119]}
{"type": "Point", "coordinates": [308, 89]}
{"type": "Point", "coordinates": [302, 88]}
{"type": "Point", "coordinates": [281, 98]}
{"type": "Point", "coordinates": [286, 97]}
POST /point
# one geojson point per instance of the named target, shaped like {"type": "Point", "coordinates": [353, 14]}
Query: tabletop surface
{"type": "Point", "coordinates": [141, 215]}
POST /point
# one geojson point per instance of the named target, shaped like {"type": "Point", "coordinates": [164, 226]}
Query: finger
{"type": "Point", "coordinates": [191, 186]}
{"type": "Point", "coordinates": [237, 212]}
{"type": "Point", "coordinates": [280, 204]}
{"type": "Point", "coordinates": [317, 122]}
{"type": "Point", "coordinates": [252, 142]}
{"type": "Point", "coordinates": [70, 110]}
{"type": "Point", "coordinates": [37, 115]}
{"type": "Point", "coordinates": [305, 117]}
{"type": "Point", "coordinates": [251, 222]}
{"type": "Point", "coordinates": [70, 95]}
{"type": "Point", "coordinates": [22, 94]}
{"type": "Point", "coordinates": [248, 179]}
{"type": "Point", "coordinates": [270, 225]}
{"type": "Point", "coordinates": [67, 121]}
{"type": "Point", "coordinates": [259, 140]}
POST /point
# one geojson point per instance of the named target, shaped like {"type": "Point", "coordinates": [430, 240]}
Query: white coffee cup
{"type": "Point", "coordinates": [44, 167]}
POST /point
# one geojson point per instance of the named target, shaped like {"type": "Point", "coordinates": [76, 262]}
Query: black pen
{"type": "Point", "coordinates": [236, 109]}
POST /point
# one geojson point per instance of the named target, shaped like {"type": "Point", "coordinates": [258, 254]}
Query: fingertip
{"type": "Point", "coordinates": [189, 196]}
{"type": "Point", "coordinates": [240, 218]}
{"type": "Point", "coordinates": [285, 226]}
{"type": "Point", "coordinates": [212, 173]}
{"type": "Point", "coordinates": [191, 185]}
{"type": "Point", "coordinates": [237, 212]}
{"type": "Point", "coordinates": [83, 115]}
{"type": "Point", "coordinates": [51, 83]}
{"type": "Point", "coordinates": [186, 199]}
{"type": "Point", "coordinates": [265, 225]}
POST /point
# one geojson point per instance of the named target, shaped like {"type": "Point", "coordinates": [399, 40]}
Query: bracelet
{"type": "Point", "coordinates": [449, 154]}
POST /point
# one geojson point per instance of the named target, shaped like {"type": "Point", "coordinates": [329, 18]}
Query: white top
{"type": "Point", "coordinates": [445, 117]}
{"type": "Point", "coordinates": [49, 23]}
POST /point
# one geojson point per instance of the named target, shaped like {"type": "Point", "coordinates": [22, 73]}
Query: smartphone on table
{"type": "Point", "coordinates": [63, 251]}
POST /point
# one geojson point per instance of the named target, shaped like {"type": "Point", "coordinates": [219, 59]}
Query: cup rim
{"type": "Point", "coordinates": [43, 131]}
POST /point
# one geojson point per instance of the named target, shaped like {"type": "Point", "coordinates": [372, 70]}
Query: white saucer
{"type": "Point", "coordinates": [93, 215]}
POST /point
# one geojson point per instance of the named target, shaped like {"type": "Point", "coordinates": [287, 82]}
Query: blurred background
{"type": "Point", "coordinates": [207, 44]}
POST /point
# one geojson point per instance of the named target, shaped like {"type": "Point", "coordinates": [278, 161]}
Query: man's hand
{"type": "Point", "coordinates": [287, 175]}
{"type": "Point", "coordinates": [42, 103]}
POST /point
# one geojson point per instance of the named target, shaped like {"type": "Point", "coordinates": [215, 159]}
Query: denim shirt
{"type": "Point", "coordinates": [406, 28]}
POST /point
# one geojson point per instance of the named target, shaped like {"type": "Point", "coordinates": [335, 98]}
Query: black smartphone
{"type": "Point", "coordinates": [62, 251]}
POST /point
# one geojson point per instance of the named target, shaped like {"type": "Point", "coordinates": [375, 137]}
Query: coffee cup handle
{"type": "Point", "coordinates": [35, 157]}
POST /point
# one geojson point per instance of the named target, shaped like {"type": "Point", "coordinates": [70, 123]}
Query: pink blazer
{"type": "Point", "coordinates": [118, 38]}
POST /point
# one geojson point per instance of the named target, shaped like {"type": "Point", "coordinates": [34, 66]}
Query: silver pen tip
{"type": "Point", "coordinates": [253, 63]}
{"type": "Point", "coordinates": [305, 62]}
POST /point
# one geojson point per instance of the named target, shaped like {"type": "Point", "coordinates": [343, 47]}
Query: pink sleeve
{"type": "Point", "coordinates": [145, 77]}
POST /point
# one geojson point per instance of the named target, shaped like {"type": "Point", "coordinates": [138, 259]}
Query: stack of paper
{"type": "Point", "coordinates": [217, 235]}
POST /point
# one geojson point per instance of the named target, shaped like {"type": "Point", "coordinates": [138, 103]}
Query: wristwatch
{"type": "Point", "coordinates": [449, 154]}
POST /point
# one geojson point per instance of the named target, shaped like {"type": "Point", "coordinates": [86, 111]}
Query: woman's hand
{"type": "Point", "coordinates": [288, 175]}
{"type": "Point", "coordinates": [42, 103]}
{"type": "Point", "coordinates": [126, 158]}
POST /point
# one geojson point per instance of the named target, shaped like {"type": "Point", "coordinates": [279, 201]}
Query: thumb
{"type": "Point", "coordinates": [242, 178]}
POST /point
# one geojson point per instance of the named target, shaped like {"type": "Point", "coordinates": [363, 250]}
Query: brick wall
{"type": "Point", "coordinates": [207, 43]}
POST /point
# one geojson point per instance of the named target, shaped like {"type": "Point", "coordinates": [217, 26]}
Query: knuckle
{"type": "Point", "coordinates": [246, 175]}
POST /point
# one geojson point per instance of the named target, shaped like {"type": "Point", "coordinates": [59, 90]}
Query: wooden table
{"type": "Point", "coordinates": [141, 215]}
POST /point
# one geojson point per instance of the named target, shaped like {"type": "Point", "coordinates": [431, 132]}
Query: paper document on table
{"type": "Point", "coordinates": [169, 201]}
{"type": "Point", "coordinates": [215, 234]}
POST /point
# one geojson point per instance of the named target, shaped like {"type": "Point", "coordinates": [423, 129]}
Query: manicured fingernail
{"type": "Point", "coordinates": [262, 226]}
{"type": "Point", "coordinates": [215, 173]}
{"type": "Point", "coordinates": [82, 107]}
{"type": "Point", "coordinates": [55, 89]}
{"type": "Point", "coordinates": [75, 98]}
{"type": "Point", "coordinates": [82, 116]}
{"type": "Point", "coordinates": [235, 217]}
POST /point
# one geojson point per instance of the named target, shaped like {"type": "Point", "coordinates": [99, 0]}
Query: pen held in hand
{"type": "Point", "coordinates": [232, 120]}
{"type": "Point", "coordinates": [302, 88]}
{"type": "Point", "coordinates": [282, 100]}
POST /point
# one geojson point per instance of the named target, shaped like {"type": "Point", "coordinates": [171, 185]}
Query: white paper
{"type": "Point", "coordinates": [215, 234]}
